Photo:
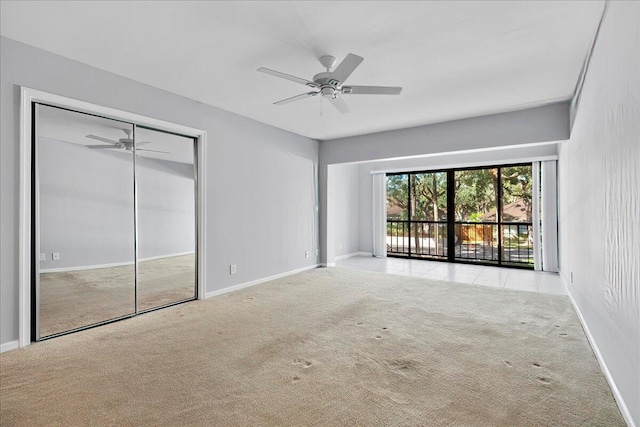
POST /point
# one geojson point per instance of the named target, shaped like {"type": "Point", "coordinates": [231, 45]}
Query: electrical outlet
{"type": "Point", "coordinates": [43, 256]}
{"type": "Point", "coordinates": [55, 256]}
{"type": "Point", "coordinates": [232, 269]}
{"type": "Point", "coordinates": [317, 252]}
{"type": "Point", "coordinates": [571, 277]}
{"type": "Point", "coordinates": [306, 254]}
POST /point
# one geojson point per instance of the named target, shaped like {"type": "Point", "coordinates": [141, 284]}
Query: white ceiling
{"type": "Point", "coordinates": [454, 59]}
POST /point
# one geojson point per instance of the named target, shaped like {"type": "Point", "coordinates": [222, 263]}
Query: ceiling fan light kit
{"type": "Point", "coordinates": [330, 84]}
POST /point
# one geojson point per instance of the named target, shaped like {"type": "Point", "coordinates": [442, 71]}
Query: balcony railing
{"type": "Point", "coordinates": [474, 241]}
{"type": "Point", "coordinates": [417, 238]}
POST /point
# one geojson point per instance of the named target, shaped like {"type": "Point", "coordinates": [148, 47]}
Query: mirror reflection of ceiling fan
{"type": "Point", "coordinates": [122, 144]}
{"type": "Point", "coordinates": [330, 84]}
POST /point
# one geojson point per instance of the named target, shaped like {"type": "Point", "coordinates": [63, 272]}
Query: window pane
{"type": "Point", "coordinates": [475, 199]}
{"type": "Point", "coordinates": [397, 214]}
{"type": "Point", "coordinates": [516, 193]}
{"type": "Point", "coordinates": [397, 197]}
{"type": "Point", "coordinates": [429, 196]}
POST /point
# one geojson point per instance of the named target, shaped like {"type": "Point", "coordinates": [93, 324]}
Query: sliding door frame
{"type": "Point", "coordinates": [28, 242]}
{"type": "Point", "coordinates": [451, 221]}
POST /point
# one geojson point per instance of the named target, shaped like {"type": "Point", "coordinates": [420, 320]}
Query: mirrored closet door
{"type": "Point", "coordinates": [114, 220]}
{"type": "Point", "coordinates": [165, 188]}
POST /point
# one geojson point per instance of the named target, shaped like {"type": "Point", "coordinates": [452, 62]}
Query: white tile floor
{"type": "Point", "coordinates": [498, 277]}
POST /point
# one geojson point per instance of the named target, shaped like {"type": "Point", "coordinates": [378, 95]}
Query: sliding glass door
{"type": "Point", "coordinates": [476, 217]}
{"type": "Point", "coordinates": [484, 214]}
{"type": "Point", "coordinates": [417, 214]}
{"type": "Point", "coordinates": [114, 220]}
{"type": "Point", "coordinates": [516, 215]}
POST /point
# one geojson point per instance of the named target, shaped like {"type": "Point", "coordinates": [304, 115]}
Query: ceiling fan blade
{"type": "Point", "coordinates": [287, 77]}
{"type": "Point", "coordinates": [99, 138]}
{"type": "Point", "coordinates": [346, 67]}
{"type": "Point", "coordinates": [296, 98]}
{"type": "Point", "coordinates": [339, 104]}
{"type": "Point", "coordinates": [143, 143]}
{"type": "Point", "coordinates": [371, 90]}
{"type": "Point", "coordinates": [102, 146]}
{"type": "Point", "coordinates": [153, 151]}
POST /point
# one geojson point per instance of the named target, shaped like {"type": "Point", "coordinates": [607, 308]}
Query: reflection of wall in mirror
{"type": "Point", "coordinates": [86, 206]}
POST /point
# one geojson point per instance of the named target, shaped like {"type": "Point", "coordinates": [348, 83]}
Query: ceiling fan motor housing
{"type": "Point", "coordinates": [328, 92]}
{"type": "Point", "coordinates": [323, 79]}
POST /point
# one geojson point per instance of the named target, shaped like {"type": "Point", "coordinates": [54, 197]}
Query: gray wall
{"type": "Point", "coordinates": [599, 195]}
{"type": "Point", "coordinates": [548, 123]}
{"type": "Point", "coordinates": [345, 190]}
{"type": "Point", "coordinates": [543, 124]}
{"type": "Point", "coordinates": [166, 207]}
{"type": "Point", "coordinates": [260, 180]}
{"type": "Point", "coordinates": [86, 206]}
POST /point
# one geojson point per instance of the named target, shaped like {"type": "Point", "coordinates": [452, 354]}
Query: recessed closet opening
{"type": "Point", "coordinates": [114, 221]}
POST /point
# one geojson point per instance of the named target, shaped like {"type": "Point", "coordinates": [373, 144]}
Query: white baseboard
{"type": "Point", "coordinates": [11, 345]}
{"type": "Point", "coordinates": [115, 264]}
{"type": "Point", "coordinates": [258, 281]}
{"type": "Point", "coordinates": [327, 264]}
{"type": "Point", "coordinates": [614, 389]}
{"type": "Point", "coordinates": [352, 254]}
{"type": "Point", "coordinates": [345, 256]}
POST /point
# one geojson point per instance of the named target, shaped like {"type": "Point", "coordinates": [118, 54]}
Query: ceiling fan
{"type": "Point", "coordinates": [330, 84]}
{"type": "Point", "coordinates": [123, 143]}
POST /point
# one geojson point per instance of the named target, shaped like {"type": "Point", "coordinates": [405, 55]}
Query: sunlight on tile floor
{"type": "Point", "coordinates": [498, 277]}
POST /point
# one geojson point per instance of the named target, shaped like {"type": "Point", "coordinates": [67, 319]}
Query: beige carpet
{"type": "Point", "coordinates": [73, 299]}
{"type": "Point", "coordinates": [328, 347]}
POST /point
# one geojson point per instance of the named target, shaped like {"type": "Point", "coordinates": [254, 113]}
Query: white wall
{"type": "Point", "coordinates": [599, 195]}
{"type": "Point", "coordinates": [345, 195]}
{"type": "Point", "coordinates": [260, 180]}
{"type": "Point", "coordinates": [86, 206]}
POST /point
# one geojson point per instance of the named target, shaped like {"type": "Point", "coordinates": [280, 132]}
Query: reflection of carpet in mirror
{"type": "Point", "coordinates": [77, 298]}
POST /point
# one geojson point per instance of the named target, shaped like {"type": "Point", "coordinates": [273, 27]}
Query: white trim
{"type": "Point", "coordinates": [327, 264]}
{"type": "Point", "coordinates": [468, 164]}
{"type": "Point", "coordinates": [201, 177]}
{"type": "Point", "coordinates": [28, 96]}
{"type": "Point", "coordinates": [345, 256]}
{"type": "Point", "coordinates": [624, 410]}
{"type": "Point", "coordinates": [258, 281]}
{"type": "Point", "coordinates": [24, 222]}
{"type": "Point", "coordinates": [352, 254]}
{"type": "Point", "coordinates": [114, 264]}
{"type": "Point", "coordinates": [11, 345]}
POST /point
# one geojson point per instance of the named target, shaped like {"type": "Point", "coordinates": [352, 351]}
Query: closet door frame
{"type": "Point", "coordinates": [27, 215]}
